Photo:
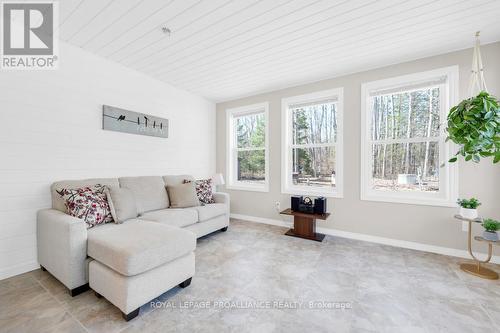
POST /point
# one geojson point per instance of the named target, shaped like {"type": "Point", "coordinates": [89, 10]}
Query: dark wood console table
{"type": "Point", "coordinates": [304, 225]}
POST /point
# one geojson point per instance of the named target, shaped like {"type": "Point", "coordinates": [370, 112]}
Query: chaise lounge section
{"type": "Point", "coordinates": [137, 261]}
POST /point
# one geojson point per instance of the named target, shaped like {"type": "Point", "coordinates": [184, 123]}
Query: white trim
{"type": "Point", "coordinates": [315, 191]}
{"type": "Point", "coordinates": [279, 223]}
{"type": "Point", "coordinates": [18, 269]}
{"type": "Point", "coordinates": [312, 145]}
{"type": "Point", "coordinates": [372, 239]}
{"type": "Point", "coordinates": [250, 149]}
{"type": "Point", "coordinates": [448, 180]}
{"type": "Point", "coordinates": [286, 143]}
{"type": "Point", "coordinates": [241, 186]}
{"type": "Point", "coordinates": [232, 183]}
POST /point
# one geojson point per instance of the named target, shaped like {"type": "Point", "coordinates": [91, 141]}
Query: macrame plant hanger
{"type": "Point", "coordinates": [477, 82]}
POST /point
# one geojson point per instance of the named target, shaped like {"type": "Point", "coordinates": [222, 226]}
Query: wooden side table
{"type": "Point", "coordinates": [304, 225]}
{"type": "Point", "coordinates": [476, 268]}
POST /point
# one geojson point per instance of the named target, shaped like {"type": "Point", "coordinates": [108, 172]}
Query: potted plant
{"type": "Point", "coordinates": [490, 229]}
{"type": "Point", "coordinates": [468, 208]}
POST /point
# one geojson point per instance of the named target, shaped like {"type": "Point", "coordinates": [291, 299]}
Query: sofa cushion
{"type": "Point", "coordinates": [210, 211]}
{"type": "Point", "coordinates": [59, 203]}
{"type": "Point", "coordinates": [149, 192]}
{"type": "Point", "coordinates": [183, 195]}
{"type": "Point", "coordinates": [177, 217]}
{"type": "Point", "coordinates": [204, 190]}
{"type": "Point", "coordinates": [176, 179]}
{"type": "Point", "coordinates": [87, 203]}
{"type": "Point", "coordinates": [122, 203]}
{"type": "Point", "coordinates": [136, 246]}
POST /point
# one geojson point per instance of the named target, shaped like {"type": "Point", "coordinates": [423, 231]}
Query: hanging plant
{"type": "Point", "coordinates": [474, 125]}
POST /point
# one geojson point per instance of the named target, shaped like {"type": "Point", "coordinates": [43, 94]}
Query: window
{"type": "Point", "coordinates": [247, 151]}
{"type": "Point", "coordinates": [312, 144]}
{"type": "Point", "coordinates": [403, 139]}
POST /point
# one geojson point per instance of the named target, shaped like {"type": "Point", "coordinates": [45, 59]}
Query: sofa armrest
{"type": "Point", "coordinates": [221, 197]}
{"type": "Point", "coordinates": [62, 246]}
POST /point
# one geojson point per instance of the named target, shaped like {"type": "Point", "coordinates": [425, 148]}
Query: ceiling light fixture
{"type": "Point", "coordinates": [166, 31]}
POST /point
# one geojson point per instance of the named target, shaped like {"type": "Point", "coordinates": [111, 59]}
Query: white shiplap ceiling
{"type": "Point", "coordinates": [225, 49]}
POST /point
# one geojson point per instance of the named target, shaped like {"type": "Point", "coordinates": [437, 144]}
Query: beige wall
{"type": "Point", "coordinates": [422, 224]}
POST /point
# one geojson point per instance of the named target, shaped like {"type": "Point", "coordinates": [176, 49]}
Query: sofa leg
{"type": "Point", "coordinates": [79, 290]}
{"type": "Point", "coordinates": [131, 315]}
{"type": "Point", "coordinates": [223, 229]}
{"type": "Point", "coordinates": [43, 268]}
{"type": "Point", "coordinates": [185, 283]}
{"type": "Point", "coordinates": [97, 294]}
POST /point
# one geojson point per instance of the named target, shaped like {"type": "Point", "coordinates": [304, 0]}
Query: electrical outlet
{"type": "Point", "coordinates": [277, 206]}
{"type": "Point", "coordinates": [465, 226]}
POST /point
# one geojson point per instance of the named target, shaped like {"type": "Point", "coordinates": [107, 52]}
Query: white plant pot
{"type": "Point", "coordinates": [468, 213]}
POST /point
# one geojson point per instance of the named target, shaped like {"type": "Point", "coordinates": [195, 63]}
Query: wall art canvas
{"type": "Point", "coordinates": [120, 120]}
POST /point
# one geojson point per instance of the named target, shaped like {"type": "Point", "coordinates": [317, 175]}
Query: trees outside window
{"type": "Point", "coordinates": [312, 144]}
{"type": "Point", "coordinates": [247, 148]}
{"type": "Point", "coordinates": [403, 140]}
{"type": "Point", "coordinates": [250, 141]}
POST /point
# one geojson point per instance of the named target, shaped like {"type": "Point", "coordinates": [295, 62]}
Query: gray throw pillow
{"type": "Point", "coordinates": [122, 203]}
{"type": "Point", "coordinates": [183, 195]}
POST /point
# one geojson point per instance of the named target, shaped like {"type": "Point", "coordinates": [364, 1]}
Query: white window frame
{"type": "Point", "coordinates": [287, 145]}
{"type": "Point", "coordinates": [448, 176]}
{"type": "Point", "coordinates": [232, 150]}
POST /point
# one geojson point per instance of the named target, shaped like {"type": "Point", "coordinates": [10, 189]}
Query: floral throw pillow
{"type": "Point", "coordinates": [204, 191]}
{"type": "Point", "coordinates": [87, 203]}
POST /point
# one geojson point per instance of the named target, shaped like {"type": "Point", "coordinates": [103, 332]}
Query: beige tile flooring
{"type": "Point", "coordinates": [241, 272]}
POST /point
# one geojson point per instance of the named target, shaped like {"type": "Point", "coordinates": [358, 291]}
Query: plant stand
{"type": "Point", "coordinates": [476, 268]}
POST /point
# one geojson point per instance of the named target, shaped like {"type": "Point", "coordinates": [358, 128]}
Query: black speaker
{"type": "Point", "coordinates": [320, 205]}
{"type": "Point", "coordinates": [306, 206]}
{"type": "Point", "coordinates": [296, 202]}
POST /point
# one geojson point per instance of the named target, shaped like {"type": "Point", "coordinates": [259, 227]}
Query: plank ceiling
{"type": "Point", "coordinates": [225, 49]}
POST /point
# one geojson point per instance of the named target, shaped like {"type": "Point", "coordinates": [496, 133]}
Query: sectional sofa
{"type": "Point", "coordinates": [133, 262]}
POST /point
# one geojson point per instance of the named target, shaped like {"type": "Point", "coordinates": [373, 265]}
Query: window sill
{"type": "Point", "coordinates": [250, 188]}
{"type": "Point", "coordinates": [313, 192]}
{"type": "Point", "coordinates": [438, 202]}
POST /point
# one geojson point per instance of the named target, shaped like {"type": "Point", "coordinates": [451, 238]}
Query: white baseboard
{"type": "Point", "coordinates": [19, 269]}
{"type": "Point", "coordinates": [279, 223]}
{"type": "Point", "coordinates": [369, 238]}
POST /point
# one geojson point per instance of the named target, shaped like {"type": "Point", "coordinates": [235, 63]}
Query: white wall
{"type": "Point", "coordinates": [51, 130]}
{"type": "Point", "coordinates": [433, 226]}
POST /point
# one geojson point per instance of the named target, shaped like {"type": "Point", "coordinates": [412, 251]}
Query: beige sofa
{"type": "Point", "coordinates": [134, 262]}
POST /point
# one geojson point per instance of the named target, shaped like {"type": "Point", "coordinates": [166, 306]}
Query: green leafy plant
{"type": "Point", "coordinates": [472, 203]}
{"type": "Point", "coordinates": [491, 225]}
{"type": "Point", "coordinates": [474, 125]}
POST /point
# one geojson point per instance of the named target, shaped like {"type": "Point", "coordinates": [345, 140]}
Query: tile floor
{"type": "Point", "coordinates": [254, 279]}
